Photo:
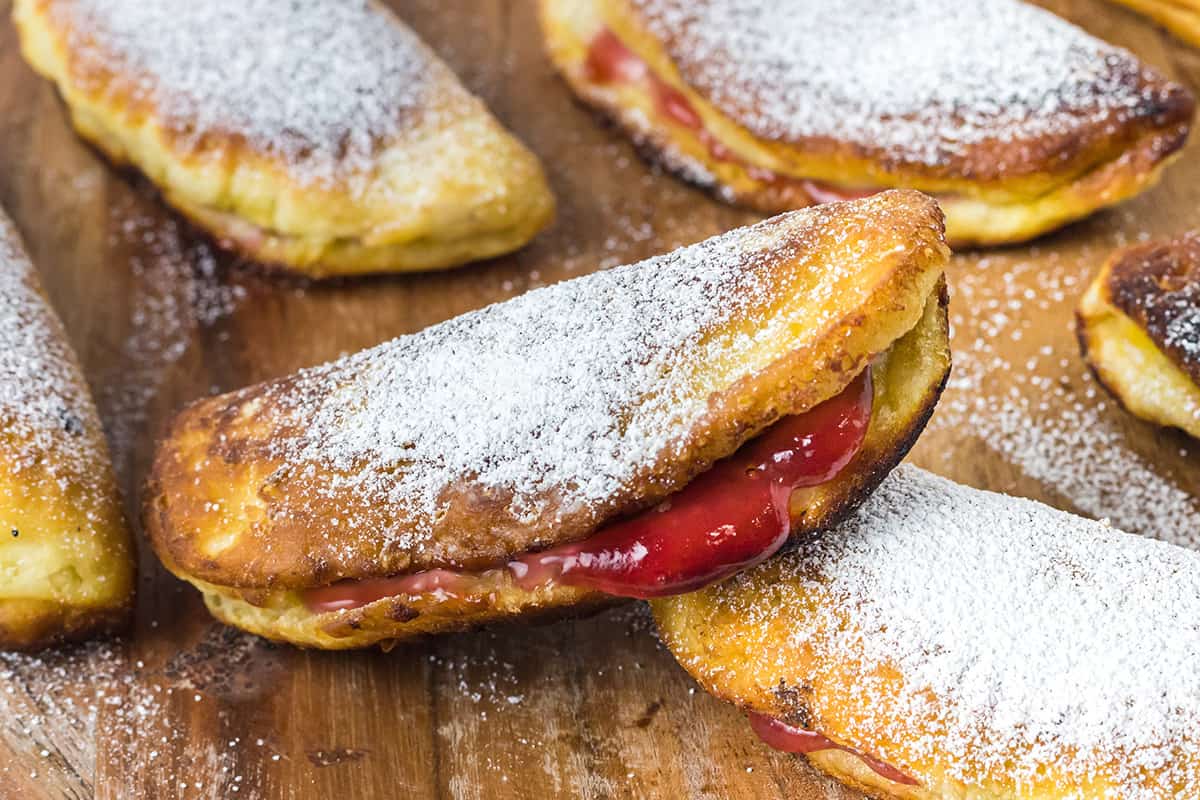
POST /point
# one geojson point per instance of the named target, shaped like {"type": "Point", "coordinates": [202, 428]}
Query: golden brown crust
{"type": "Point", "coordinates": [908, 381]}
{"type": "Point", "coordinates": [1083, 140]}
{"type": "Point", "coordinates": [222, 507]}
{"type": "Point", "coordinates": [67, 567]}
{"type": "Point", "coordinates": [970, 220]}
{"type": "Point", "coordinates": [998, 190]}
{"type": "Point", "coordinates": [1138, 326]}
{"type": "Point", "coordinates": [445, 186]}
{"type": "Point", "coordinates": [27, 624]}
{"type": "Point", "coordinates": [851, 638]}
{"type": "Point", "coordinates": [1158, 287]}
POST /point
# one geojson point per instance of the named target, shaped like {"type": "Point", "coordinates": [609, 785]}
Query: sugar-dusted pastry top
{"type": "Point", "coordinates": [322, 84]}
{"type": "Point", "coordinates": [49, 421]}
{"type": "Point", "coordinates": [1158, 287]}
{"type": "Point", "coordinates": [66, 557]}
{"type": "Point", "coordinates": [531, 421]}
{"type": "Point", "coordinates": [923, 80]}
{"type": "Point", "coordinates": [951, 630]}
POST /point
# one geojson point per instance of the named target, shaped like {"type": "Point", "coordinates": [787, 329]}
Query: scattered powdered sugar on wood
{"type": "Point", "coordinates": [1024, 636]}
{"type": "Point", "coordinates": [921, 78]}
{"type": "Point", "coordinates": [1086, 459]}
{"type": "Point", "coordinates": [555, 399]}
{"type": "Point", "coordinates": [1022, 391]}
{"type": "Point", "coordinates": [48, 415]}
{"type": "Point", "coordinates": [322, 84]}
{"type": "Point", "coordinates": [50, 704]}
{"type": "Point", "coordinates": [93, 713]}
{"type": "Point", "coordinates": [179, 290]}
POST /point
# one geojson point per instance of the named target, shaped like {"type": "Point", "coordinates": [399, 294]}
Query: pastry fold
{"type": "Point", "coordinates": [964, 644]}
{"type": "Point", "coordinates": [66, 556]}
{"type": "Point", "coordinates": [778, 104]}
{"type": "Point", "coordinates": [1138, 326]}
{"type": "Point", "coordinates": [322, 136]}
{"type": "Point", "coordinates": [535, 422]}
{"type": "Point", "coordinates": [1180, 17]}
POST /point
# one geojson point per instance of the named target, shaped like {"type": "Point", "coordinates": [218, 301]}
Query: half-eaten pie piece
{"type": "Point", "coordinates": [1180, 17]}
{"type": "Point", "coordinates": [66, 556]}
{"type": "Point", "coordinates": [636, 432]}
{"type": "Point", "coordinates": [1017, 121]}
{"type": "Point", "coordinates": [318, 135]}
{"type": "Point", "coordinates": [1139, 329]}
{"type": "Point", "coordinates": [947, 643]}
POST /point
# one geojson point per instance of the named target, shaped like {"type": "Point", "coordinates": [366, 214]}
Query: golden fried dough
{"type": "Point", "coordinates": [951, 643]}
{"type": "Point", "coordinates": [1139, 330]}
{"type": "Point", "coordinates": [777, 104]}
{"type": "Point", "coordinates": [66, 557]}
{"type": "Point", "coordinates": [321, 136]}
{"type": "Point", "coordinates": [534, 422]}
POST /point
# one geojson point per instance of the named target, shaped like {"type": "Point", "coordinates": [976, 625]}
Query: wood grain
{"type": "Point", "coordinates": [590, 708]}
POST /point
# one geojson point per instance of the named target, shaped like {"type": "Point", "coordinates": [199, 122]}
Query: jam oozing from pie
{"type": "Point", "coordinates": [610, 61]}
{"type": "Point", "coordinates": [353, 594]}
{"type": "Point", "coordinates": [781, 736]}
{"type": "Point", "coordinates": [824, 193]}
{"type": "Point", "coordinates": [732, 516]}
{"type": "Point", "coordinates": [729, 518]}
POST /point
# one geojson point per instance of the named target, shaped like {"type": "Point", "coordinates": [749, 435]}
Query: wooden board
{"type": "Point", "coordinates": [592, 708]}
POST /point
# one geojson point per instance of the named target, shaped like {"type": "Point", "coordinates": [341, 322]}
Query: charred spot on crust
{"type": "Point", "coordinates": [71, 423]}
{"type": "Point", "coordinates": [402, 613]}
{"type": "Point", "coordinates": [1171, 103]}
{"type": "Point", "coordinates": [794, 701]}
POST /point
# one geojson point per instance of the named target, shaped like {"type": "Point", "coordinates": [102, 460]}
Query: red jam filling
{"type": "Point", "coordinates": [610, 61]}
{"type": "Point", "coordinates": [824, 193]}
{"type": "Point", "coordinates": [732, 516]}
{"type": "Point", "coordinates": [782, 736]}
{"type": "Point", "coordinates": [353, 594]}
{"type": "Point", "coordinates": [727, 519]}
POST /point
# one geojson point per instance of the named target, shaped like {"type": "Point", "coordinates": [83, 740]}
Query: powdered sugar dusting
{"type": "Point", "coordinates": [1044, 638]}
{"type": "Point", "coordinates": [44, 403]}
{"type": "Point", "coordinates": [552, 402]}
{"type": "Point", "coordinates": [320, 83]}
{"type": "Point", "coordinates": [95, 713]}
{"type": "Point", "coordinates": [178, 291]}
{"type": "Point", "coordinates": [1183, 332]}
{"type": "Point", "coordinates": [1020, 390]}
{"type": "Point", "coordinates": [922, 78]}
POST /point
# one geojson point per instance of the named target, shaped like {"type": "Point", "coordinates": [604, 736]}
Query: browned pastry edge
{"type": "Point", "coordinates": [786, 702]}
{"type": "Point", "coordinates": [214, 444]}
{"type": "Point", "coordinates": [95, 72]}
{"type": "Point", "coordinates": [1085, 350]}
{"type": "Point", "coordinates": [992, 162]}
{"type": "Point", "coordinates": [57, 485]}
{"type": "Point", "coordinates": [905, 401]}
{"type": "Point", "coordinates": [255, 201]}
{"type": "Point", "coordinates": [1083, 337]}
{"type": "Point", "coordinates": [981, 210]}
{"type": "Point", "coordinates": [1156, 285]}
{"type": "Point", "coordinates": [37, 624]}
{"type": "Point", "coordinates": [1134, 171]}
{"type": "Point", "coordinates": [872, 464]}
